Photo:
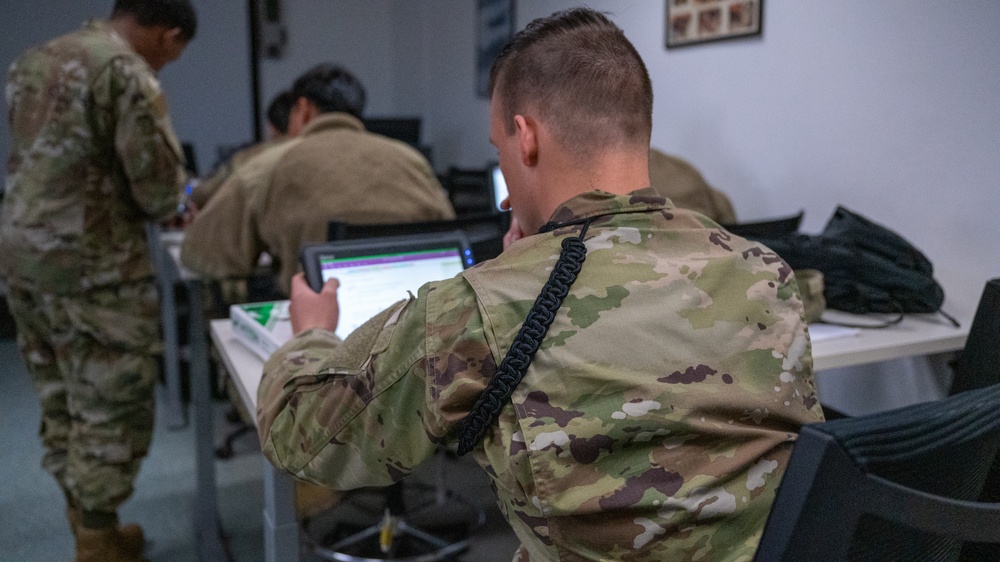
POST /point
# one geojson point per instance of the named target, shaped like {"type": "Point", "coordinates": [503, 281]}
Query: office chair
{"type": "Point", "coordinates": [976, 365]}
{"type": "Point", "coordinates": [485, 232]}
{"type": "Point", "coordinates": [766, 228]}
{"type": "Point", "coordinates": [899, 485]}
{"type": "Point", "coordinates": [415, 522]}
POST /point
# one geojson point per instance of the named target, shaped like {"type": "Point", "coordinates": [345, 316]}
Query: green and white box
{"type": "Point", "coordinates": [261, 326]}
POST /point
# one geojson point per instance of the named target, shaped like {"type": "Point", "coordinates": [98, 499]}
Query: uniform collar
{"type": "Point", "coordinates": [596, 203]}
{"type": "Point", "coordinates": [334, 120]}
{"type": "Point", "coordinates": [102, 26]}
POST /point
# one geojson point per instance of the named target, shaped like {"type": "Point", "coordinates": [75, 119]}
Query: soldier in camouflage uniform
{"type": "Point", "coordinates": [93, 158]}
{"type": "Point", "coordinates": [656, 418]}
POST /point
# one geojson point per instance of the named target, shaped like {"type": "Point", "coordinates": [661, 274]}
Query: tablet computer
{"type": "Point", "coordinates": [376, 272]}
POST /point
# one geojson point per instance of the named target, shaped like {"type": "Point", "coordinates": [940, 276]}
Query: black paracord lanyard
{"type": "Point", "coordinates": [529, 338]}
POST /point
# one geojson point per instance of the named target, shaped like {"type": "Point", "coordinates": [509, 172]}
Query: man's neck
{"type": "Point", "coordinates": [618, 172]}
{"type": "Point", "coordinates": [126, 27]}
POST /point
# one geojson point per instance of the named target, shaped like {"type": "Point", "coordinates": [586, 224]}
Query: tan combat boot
{"type": "Point", "coordinates": [131, 535]}
{"type": "Point", "coordinates": [103, 545]}
{"type": "Point", "coordinates": [311, 500]}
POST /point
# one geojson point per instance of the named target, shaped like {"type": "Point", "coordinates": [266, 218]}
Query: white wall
{"type": "Point", "coordinates": [207, 89]}
{"type": "Point", "coordinates": [356, 35]}
{"type": "Point", "coordinates": [456, 120]}
{"type": "Point", "coordinates": [414, 58]}
{"type": "Point", "coordinates": [886, 108]}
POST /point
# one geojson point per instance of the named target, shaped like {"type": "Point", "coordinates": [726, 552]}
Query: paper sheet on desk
{"type": "Point", "coordinates": [821, 332]}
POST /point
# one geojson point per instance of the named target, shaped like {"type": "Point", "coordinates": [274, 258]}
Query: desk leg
{"type": "Point", "coordinates": [173, 403]}
{"type": "Point", "coordinates": [281, 528]}
{"type": "Point", "coordinates": [207, 529]}
{"type": "Point", "coordinates": [173, 406]}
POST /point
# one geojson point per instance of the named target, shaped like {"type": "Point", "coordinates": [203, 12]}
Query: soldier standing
{"type": "Point", "coordinates": [631, 376]}
{"type": "Point", "coordinates": [93, 158]}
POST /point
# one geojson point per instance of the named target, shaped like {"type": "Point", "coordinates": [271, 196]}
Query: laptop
{"type": "Point", "coordinates": [376, 272]}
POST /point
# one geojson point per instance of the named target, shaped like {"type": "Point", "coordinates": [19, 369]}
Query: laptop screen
{"type": "Point", "coordinates": [375, 273]}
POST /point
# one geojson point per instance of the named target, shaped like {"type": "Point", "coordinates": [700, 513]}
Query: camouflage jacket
{"type": "Point", "coordinates": [654, 423]}
{"type": "Point", "coordinates": [93, 158]}
{"type": "Point", "coordinates": [285, 196]}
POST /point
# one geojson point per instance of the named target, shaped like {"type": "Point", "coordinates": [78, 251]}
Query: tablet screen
{"type": "Point", "coordinates": [370, 283]}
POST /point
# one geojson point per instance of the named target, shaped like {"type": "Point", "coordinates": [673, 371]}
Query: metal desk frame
{"type": "Point", "coordinates": [209, 539]}
{"type": "Point", "coordinates": [281, 528]}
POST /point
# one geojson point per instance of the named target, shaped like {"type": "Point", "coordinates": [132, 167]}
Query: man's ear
{"type": "Point", "coordinates": [173, 35]}
{"type": "Point", "coordinates": [307, 108]}
{"type": "Point", "coordinates": [527, 139]}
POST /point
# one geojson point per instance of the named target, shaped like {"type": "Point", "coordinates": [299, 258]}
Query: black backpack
{"type": "Point", "coordinates": [866, 267]}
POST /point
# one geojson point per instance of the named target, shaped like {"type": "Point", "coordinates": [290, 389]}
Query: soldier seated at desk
{"type": "Point", "coordinates": [329, 169]}
{"type": "Point", "coordinates": [666, 367]}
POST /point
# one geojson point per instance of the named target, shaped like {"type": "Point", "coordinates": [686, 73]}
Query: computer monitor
{"type": "Point", "coordinates": [406, 129]}
{"type": "Point", "coordinates": [376, 272]}
{"type": "Point", "coordinates": [498, 185]}
{"type": "Point", "coordinates": [190, 161]}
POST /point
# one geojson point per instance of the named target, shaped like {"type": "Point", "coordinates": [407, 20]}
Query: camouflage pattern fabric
{"type": "Point", "coordinates": [654, 423]}
{"type": "Point", "coordinates": [93, 157]}
{"type": "Point", "coordinates": [92, 362]}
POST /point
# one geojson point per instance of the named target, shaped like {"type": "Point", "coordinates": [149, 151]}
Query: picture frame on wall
{"type": "Point", "coordinates": [693, 22]}
{"type": "Point", "coordinates": [494, 28]}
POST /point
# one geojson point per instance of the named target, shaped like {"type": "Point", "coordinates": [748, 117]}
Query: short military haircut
{"type": "Point", "coordinates": [279, 109]}
{"type": "Point", "coordinates": [576, 72]}
{"type": "Point", "coordinates": [331, 88]}
{"type": "Point", "coordinates": [167, 13]}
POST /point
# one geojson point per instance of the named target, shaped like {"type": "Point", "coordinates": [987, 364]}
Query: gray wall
{"type": "Point", "coordinates": [357, 35]}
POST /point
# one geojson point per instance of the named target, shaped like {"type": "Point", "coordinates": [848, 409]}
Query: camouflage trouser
{"type": "Point", "coordinates": [92, 360]}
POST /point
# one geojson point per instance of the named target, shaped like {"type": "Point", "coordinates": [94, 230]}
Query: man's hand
{"type": "Point", "coordinates": [310, 309]}
{"type": "Point", "coordinates": [190, 213]}
{"type": "Point", "coordinates": [514, 233]}
{"type": "Point", "coordinates": [182, 219]}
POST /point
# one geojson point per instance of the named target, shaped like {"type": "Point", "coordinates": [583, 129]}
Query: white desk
{"type": "Point", "coordinates": [165, 246]}
{"type": "Point", "coordinates": [281, 528]}
{"type": "Point", "coordinates": [917, 334]}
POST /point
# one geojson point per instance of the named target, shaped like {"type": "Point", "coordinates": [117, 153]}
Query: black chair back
{"type": "Point", "coordinates": [469, 192]}
{"type": "Point", "coordinates": [898, 485]}
{"type": "Point", "coordinates": [485, 233]}
{"type": "Point", "coordinates": [979, 363]}
{"type": "Point", "coordinates": [767, 228]}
